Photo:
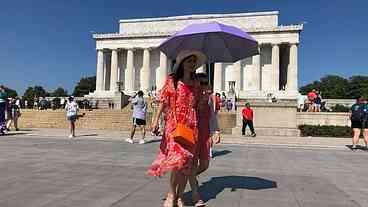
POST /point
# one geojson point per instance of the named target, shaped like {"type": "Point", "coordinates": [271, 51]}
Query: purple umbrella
{"type": "Point", "coordinates": [219, 42]}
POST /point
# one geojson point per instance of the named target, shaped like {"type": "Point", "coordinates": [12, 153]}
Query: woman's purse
{"type": "Point", "coordinates": [182, 134]}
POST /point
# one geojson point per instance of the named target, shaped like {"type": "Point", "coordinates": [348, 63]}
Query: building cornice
{"type": "Point", "coordinates": [281, 28]}
{"type": "Point", "coordinates": [199, 16]}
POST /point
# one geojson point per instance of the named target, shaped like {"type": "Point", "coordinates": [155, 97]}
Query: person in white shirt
{"type": "Point", "coordinates": [139, 116]}
{"type": "Point", "coordinates": [71, 108]}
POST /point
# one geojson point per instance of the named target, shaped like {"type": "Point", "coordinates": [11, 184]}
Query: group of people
{"type": "Point", "coordinates": [9, 112]}
{"type": "Point", "coordinates": [359, 121]}
{"type": "Point", "coordinates": [314, 101]}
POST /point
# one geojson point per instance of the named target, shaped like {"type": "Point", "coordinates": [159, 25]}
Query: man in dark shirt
{"type": "Point", "coordinates": [357, 117]}
{"type": "Point", "coordinates": [247, 113]}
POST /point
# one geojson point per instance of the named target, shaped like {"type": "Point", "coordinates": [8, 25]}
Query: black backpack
{"type": "Point", "coordinates": [357, 112]}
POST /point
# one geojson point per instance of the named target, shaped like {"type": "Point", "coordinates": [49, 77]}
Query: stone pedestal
{"type": "Point", "coordinates": [270, 119]}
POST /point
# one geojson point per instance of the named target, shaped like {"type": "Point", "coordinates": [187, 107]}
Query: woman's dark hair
{"type": "Point", "coordinates": [140, 93]}
{"type": "Point", "coordinates": [179, 72]}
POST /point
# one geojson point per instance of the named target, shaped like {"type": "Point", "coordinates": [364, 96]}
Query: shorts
{"type": "Point", "coordinates": [356, 124]}
{"type": "Point", "coordinates": [365, 124]}
{"type": "Point", "coordinates": [139, 122]}
{"type": "Point", "coordinates": [72, 118]}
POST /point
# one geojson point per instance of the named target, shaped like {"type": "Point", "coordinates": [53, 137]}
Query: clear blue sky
{"type": "Point", "coordinates": [48, 43]}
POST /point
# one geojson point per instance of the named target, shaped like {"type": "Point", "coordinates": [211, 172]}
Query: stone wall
{"type": "Point", "coordinates": [323, 118]}
{"type": "Point", "coordinates": [98, 119]}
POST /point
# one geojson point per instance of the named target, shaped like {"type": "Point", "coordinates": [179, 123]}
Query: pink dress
{"type": "Point", "coordinates": [171, 155]}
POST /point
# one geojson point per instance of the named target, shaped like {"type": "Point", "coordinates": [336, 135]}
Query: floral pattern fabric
{"type": "Point", "coordinates": [180, 103]}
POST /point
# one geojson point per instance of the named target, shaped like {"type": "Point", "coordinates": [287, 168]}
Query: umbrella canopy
{"type": "Point", "coordinates": [219, 42]}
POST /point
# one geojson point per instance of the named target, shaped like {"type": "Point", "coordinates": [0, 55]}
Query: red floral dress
{"type": "Point", "coordinates": [204, 112]}
{"type": "Point", "coordinates": [171, 155]}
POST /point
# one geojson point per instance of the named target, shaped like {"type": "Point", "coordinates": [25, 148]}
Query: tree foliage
{"type": "Point", "coordinates": [59, 92]}
{"type": "Point", "coordinates": [85, 86]}
{"type": "Point", "coordinates": [34, 92]}
{"type": "Point", "coordinates": [336, 87]}
{"type": "Point", "coordinates": [10, 92]}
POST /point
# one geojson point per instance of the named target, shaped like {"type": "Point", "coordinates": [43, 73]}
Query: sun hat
{"type": "Point", "coordinates": [201, 58]}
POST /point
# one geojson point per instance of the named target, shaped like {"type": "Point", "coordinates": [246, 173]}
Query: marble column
{"type": "Point", "coordinates": [237, 75]}
{"type": "Point", "coordinates": [162, 71]}
{"type": "Point", "coordinates": [129, 73]}
{"type": "Point", "coordinates": [218, 78]}
{"type": "Point", "coordinates": [145, 75]}
{"type": "Point", "coordinates": [275, 67]}
{"type": "Point", "coordinates": [114, 70]}
{"type": "Point", "coordinates": [257, 72]}
{"type": "Point", "coordinates": [107, 70]}
{"type": "Point", "coordinates": [99, 70]}
{"type": "Point", "coordinates": [292, 74]}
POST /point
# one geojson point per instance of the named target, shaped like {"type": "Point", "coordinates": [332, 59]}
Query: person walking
{"type": "Point", "coordinates": [179, 100]}
{"type": "Point", "coordinates": [247, 113]}
{"type": "Point", "coordinates": [139, 116]}
{"type": "Point", "coordinates": [365, 122]}
{"type": "Point", "coordinates": [3, 99]}
{"type": "Point", "coordinates": [207, 127]}
{"type": "Point", "coordinates": [13, 114]}
{"type": "Point", "coordinates": [357, 117]}
{"type": "Point", "coordinates": [72, 109]}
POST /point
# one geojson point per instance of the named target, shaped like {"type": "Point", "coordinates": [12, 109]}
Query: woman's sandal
{"type": "Point", "coordinates": [180, 203]}
{"type": "Point", "coordinates": [198, 202]}
{"type": "Point", "coordinates": [169, 201]}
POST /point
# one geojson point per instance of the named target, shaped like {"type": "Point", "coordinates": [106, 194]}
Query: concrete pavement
{"type": "Point", "coordinates": [56, 171]}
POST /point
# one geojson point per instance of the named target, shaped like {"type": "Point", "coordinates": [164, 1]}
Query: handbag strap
{"type": "Point", "coordinates": [174, 107]}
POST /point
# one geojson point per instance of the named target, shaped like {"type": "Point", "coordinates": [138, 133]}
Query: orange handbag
{"type": "Point", "coordinates": [184, 135]}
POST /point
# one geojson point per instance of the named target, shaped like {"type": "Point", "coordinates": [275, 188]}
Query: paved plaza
{"type": "Point", "coordinates": [56, 171]}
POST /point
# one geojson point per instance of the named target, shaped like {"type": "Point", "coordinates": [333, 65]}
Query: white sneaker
{"type": "Point", "coordinates": [71, 136]}
{"type": "Point", "coordinates": [129, 140]}
{"type": "Point", "coordinates": [141, 141]}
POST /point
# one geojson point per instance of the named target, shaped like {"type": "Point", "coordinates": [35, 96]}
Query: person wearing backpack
{"type": "Point", "coordinates": [357, 117]}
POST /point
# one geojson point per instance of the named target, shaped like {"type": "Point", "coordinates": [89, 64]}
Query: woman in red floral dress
{"type": "Point", "coordinates": [178, 98]}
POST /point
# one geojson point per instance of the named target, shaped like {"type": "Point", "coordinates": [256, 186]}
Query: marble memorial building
{"type": "Point", "coordinates": [129, 60]}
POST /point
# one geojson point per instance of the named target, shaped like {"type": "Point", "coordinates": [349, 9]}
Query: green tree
{"type": "Point", "coordinates": [333, 86]}
{"type": "Point", "coordinates": [85, 86]}
{"type": "Point", "coordinates": [11, 93]}
{"type": "Point", "coordinates": [330, 86]}
{"type": "Point", "coordinates": [59, 92]}
{"type": "Point", "coordinates": [34, 92]}
{"type": "Point", "coordinates": [358, 86]}
{"type": "Point", "coordinates": [309, 87]}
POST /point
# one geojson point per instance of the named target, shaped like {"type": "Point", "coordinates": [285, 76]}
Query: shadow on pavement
{"type": "Point", "coordinates": [218, 153]}
{"type": "Point", "coordinates": [87, 135]}
{"type": "Point", "coordinates": [210, 189]}
{"type": "Point", "coordinates": [358, 147]}
{"type": "Point", "coordinates": [14, 133]}
{"type": "Point", "coordinates": [153, 141]}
